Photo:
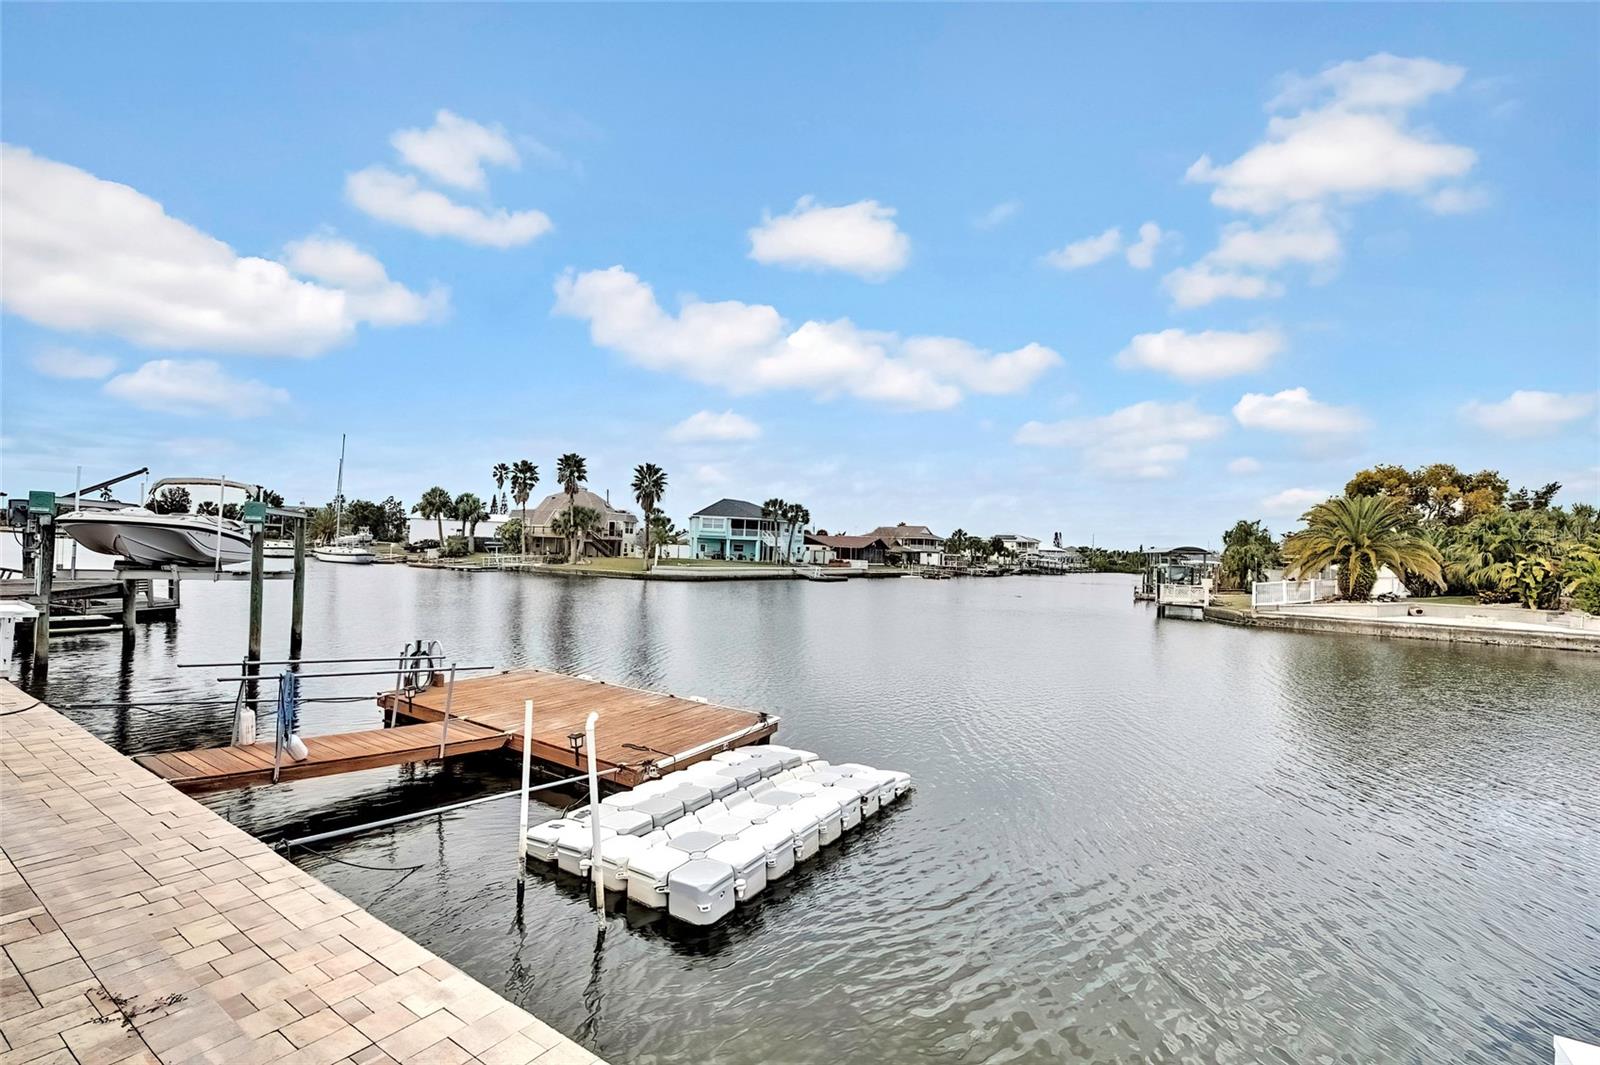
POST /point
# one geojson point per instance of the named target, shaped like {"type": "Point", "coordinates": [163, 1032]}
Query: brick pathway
{"type": "Point", "coordinates": [138, 926]}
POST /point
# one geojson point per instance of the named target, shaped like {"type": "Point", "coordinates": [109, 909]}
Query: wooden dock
{"type": "Point", "coordinates": [637, 729]}
{"type": "Point", "coordinates": [344, 752]}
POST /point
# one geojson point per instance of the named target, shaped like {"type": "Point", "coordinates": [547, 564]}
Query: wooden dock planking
{"type": "Point", "coordinates": [345, 752]}
{"type": "Point", "coordinates": [666, 724]}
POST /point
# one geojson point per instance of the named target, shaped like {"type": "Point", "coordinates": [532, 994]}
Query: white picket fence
{"type": "Point", "coordinates": [1268, 595]}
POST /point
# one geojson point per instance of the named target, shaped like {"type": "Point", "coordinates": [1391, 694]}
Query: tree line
{"type": "Point", "coordinates": [1442, 531]}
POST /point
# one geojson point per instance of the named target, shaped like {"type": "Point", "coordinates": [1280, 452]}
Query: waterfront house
{"type": "Point", "coordinates": [618, 533]}
{"type": "Point", "coordinates": [908, 545]}
{"type": "Point", "coordinates": [735, 530]}
{"type": "Point", "coordinates": [1017, 544]}
{"type": "Point", "coordinates": [868, 549]}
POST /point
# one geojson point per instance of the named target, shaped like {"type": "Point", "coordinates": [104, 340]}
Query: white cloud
{"type": "Point", "coordinates": [1086, 252]}
{"type": "Point", "coordinates": [1244, 464]}
{"type": "Point", "coordinates": [1149, 439]}
{"type": "Point", "coordinates": [710, 426]}
{"type": "Point", "coordinates": [1458, 200]}
{"type": "Point", "coordinates": [1530, 413]}
{"type": "Point", "coordinates": [998, 215]}
{"type": "Point", "coordinates": [1352, 141]}
{"type": "Point", "coordinates": [400, 200]}
{"type": "Point", "coordinates": [1299, 235]}
{"type": "Point", "coordinates": [87, 255]}
{"type": "Point", "coordinates": [372, 296]}
{"type": "Point", "coordinates": [1378, 82]}
{"type": "Point", "coordinates": [1293, 501]}
{"type": "Point", "coordinates": [1142, 253]}
{"type": "Point", "coordinates": [70, 364]}
{"type": "Point", "coordinates": [1198, 285]}
{"type": "Point", "coordinates": [1201, 356]}
{"type": "Point", "coordinates": [194, 386]}
{"type": "Point", "coordinates": [859, 238]}
{"type": "Point", "coordinates": [1294, 411]}
{"type": "Point", "coordinates": [453, 150]}
{"type": "Point", "coordinates": [750, 348]}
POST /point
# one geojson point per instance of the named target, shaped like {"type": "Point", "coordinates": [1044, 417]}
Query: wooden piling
{"type": "Point", "coordinates": [45, 567]}
{"type": "Point", "coordinates": [258, 541]}
{"type": "Point", "coordinates": [130, 608]}
{"type": "Point", "coordinates": [297, 613]}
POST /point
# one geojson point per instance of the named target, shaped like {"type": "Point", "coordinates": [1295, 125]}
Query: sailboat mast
{"type": "Point", "coordinates": [338, 495]}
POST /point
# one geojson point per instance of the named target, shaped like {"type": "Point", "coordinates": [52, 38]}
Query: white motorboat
{"type": "Point", "coordinates": [353, 549]}
{"type": "Point", "coordinates": [278, 549]}
{"type": "Point", "coordinates": [149, 539]}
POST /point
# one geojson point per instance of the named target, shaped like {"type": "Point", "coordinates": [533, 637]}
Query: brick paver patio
{"type": "Point", "coordinates": [138, 926]}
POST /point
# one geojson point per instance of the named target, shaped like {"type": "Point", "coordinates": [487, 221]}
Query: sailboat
{"type": "Point", "coordinates": [351, 549]}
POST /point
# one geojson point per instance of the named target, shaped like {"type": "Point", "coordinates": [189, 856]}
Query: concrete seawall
{"type": "Point", "coordinates": [138, 926]}
{"type": "Point", "coordinates": [1397, 629]}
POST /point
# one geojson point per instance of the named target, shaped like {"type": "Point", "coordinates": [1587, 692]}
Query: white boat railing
{"type": "Point", "coordinates": [1269, 595]}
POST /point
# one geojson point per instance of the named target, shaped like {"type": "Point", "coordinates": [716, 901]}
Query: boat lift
{"type": "Point", "coordinates": [42, 508]}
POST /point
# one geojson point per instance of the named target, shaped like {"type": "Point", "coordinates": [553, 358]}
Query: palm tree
{"type": "Point", "coordinates": [956, 544]}
{"type": "Point", "coordinates": [573, 524]}
{"type": "Point", "coordinates": [435, 503]}
{"type": "Point", "coordinates": [572, 470]}
{"type": "Point", "coordinates": [649, 485]}
{"type": "Point", "coordinates": [468, 510]}
{"type": "Point", "coordinates": [798, 518]}
{"type": "Point", "coordinates": [501, 473]}
{"type": "Point", "coordinates": [773, 510]}
{"type": "Point", "coordinates": [524, 475]}
{"type": "Point", "coordinates": [1360, 536]}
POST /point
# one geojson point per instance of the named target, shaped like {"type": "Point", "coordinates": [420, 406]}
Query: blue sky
{"type": "Point", "coordinates": [860, 257]}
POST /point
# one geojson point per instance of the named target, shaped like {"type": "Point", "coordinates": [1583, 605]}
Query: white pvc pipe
{"type": "Point", "coordinates": [594, 819]}
{"type": "Point", "coordinates": [527, 762]}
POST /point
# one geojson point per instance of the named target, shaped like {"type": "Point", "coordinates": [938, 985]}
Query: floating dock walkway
{"type": "Point", "coordinates": [639, 730]}
{"type": "Point", "coordinates": [242, 766]}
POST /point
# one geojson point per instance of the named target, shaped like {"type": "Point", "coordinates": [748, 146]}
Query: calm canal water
{"type": "Point", "coordinates": [1129, 841]}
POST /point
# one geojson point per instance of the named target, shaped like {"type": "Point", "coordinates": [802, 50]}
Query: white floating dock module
{"type": "Point", "coordinates": [699, 841]}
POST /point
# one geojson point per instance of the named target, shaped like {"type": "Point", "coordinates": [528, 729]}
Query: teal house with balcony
{"type": "Point", "coordinates": [734, 530]}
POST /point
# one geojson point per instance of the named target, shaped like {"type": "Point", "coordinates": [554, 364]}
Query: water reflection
{"type": "Point", "coordinates": [1130, 841]}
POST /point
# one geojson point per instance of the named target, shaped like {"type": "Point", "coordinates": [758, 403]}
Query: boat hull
{"type": "Point", "coordinates": [345, 556]}
{"type": "Point", "coordinates": [159, 540]}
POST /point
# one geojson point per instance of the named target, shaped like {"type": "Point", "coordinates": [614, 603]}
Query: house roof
{"type": "Point", "coordinates": [730, 508]}
{"type": "Point", "coordinates": [545, 512]}
{"type": "Point", "coordinates": [892, 533]}
{"type": "Point", "coordinates": [849, 543]}
{"type": "Point", "coordinates": [1017, 537]}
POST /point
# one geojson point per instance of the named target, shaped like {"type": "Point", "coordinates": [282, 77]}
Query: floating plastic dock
{"type": "Point", "coordinates": [699, 841]}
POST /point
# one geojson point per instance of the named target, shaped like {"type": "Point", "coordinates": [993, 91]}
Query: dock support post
{"type": "Point", "coordinates": [297, 612]}
{"type": "Point", "coordinates": [449, 697]}
{"type": "Point", "coordinates": [130, 608]}
{"type": "Point", "coordinates": [527, 764]}
{"type": "Point", "coordinates": [594, 821]}
{"type": "Point", "coordinates": [44, 570]}
{"type": "Point", "coordinates": [257, 597]}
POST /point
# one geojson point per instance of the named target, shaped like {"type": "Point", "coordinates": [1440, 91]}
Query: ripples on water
{"type": "Point", "coordinates": [1130, 841]}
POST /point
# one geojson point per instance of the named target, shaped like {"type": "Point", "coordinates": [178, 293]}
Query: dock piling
{"type": "Point", "coordinates": [527, 766]}
{"type": "Point", "coordinates": [297, 612]}
{"type": "Point", "coordinates": [130, 607]}
{"type": "Point", "coordinates": [594, 822]}
{"type": "Point", "coordinates": [45, 571]}
{"type": "Point", "coordinates": [449, 697]}
{"type": "Point", "coordinates": [257, 595]}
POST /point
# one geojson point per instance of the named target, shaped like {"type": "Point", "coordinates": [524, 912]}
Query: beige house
{"type": "Point", "coordinates": [618, 533]}
{"type": "Point", "coordinates": [910, 544]}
